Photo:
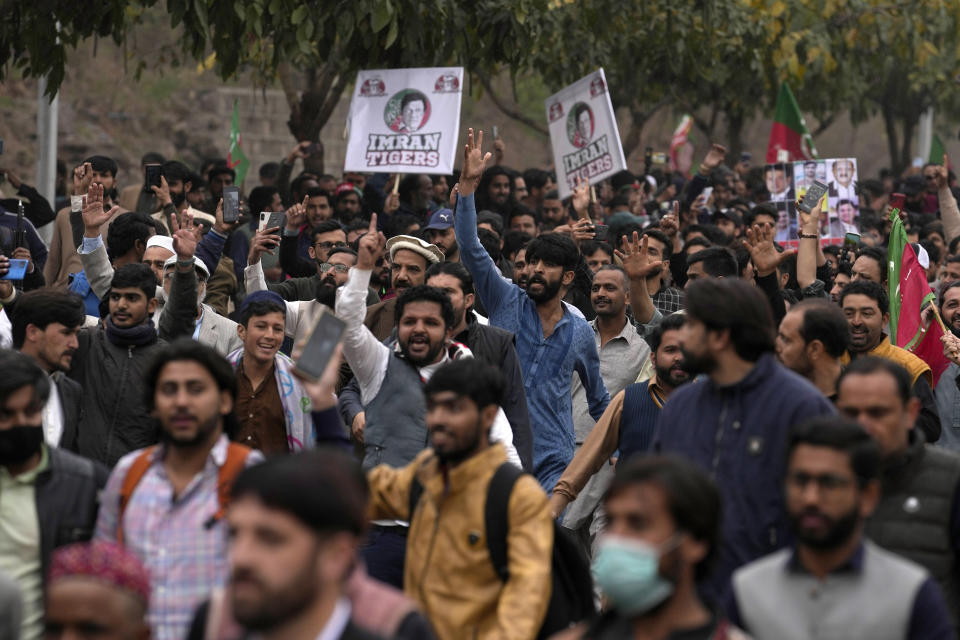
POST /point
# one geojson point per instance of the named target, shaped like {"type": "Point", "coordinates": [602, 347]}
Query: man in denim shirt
{"type": "Point", "coordinates": [552, 342]}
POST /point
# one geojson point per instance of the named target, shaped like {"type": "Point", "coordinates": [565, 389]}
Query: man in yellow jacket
{"type": "Point", "coordinates": [448, 568]}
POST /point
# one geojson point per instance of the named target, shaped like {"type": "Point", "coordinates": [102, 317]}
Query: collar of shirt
{"type": "Point", "coordinates": [28, 477]}
{"type": "Point", "coordinates": [628, 333]}
{"type": "Point", "coordinates": [853, 564]}
{"type": "Point", "coordinates": [337, 621]}
{"type": "Point", "coordinates": [656, 391]}
{"type": "Point", "coordinates": [218, 454]}
{"type": "Point", "coordinates": [196, 331]}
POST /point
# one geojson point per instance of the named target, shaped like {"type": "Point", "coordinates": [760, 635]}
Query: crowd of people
{"type": "Point", "coordinates": [630, 413]}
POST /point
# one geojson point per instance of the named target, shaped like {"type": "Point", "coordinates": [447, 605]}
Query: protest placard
{"type": "Point", "coordinates": [788, 181]}
{"type": "Point", "coordinates": [583, 133]}
{"type": "Point", "coordinates": [405, 120]}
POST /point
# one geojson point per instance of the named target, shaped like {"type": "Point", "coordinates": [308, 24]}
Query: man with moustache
{"type": "Point", "coordinates": [552, 342]}
{"type": "Point", "coordinates": [629, 423]}
{"type": "Point", "coordinates": [48, 496]}
{"type": "Point", "coordinates": [391, 380]}
{"type": "Point", "coordinates": [440, 233]}
{"type": "Point", "coordinates": [164, 503]}
{"type": "Point", "coordinates": [44, 327]}
{"type": "Point", "coordinates": [731, 420]}
{"type": "Point", "coordinates": [835, 582]}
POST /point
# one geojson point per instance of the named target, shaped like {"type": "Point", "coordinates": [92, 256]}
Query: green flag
{"type": "Point", "coordinates": [936, 150]}
{"type": "Point", "coordinates": [236, 158]}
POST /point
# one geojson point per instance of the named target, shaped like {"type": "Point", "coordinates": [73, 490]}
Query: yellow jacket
{"type": "Point", "coordinates": [912, 363]}
{"type": "Point", "coordinates": [448, 568]}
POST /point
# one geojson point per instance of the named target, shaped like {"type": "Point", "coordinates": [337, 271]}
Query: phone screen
{"type": "Point", "coordinates": [17, 271]}
{"type": "Point", "coordinates": [706, 193]}
{"type": "Point", "coordinates": [326, 335]}
{"type": "Point", "coordinates": [851, 241]}
{"type": "Point", "coordinates": [600, 232]}
{"type": "Point", "coordinates": [152, 175]}
{"type": "Point", "coordinates": [231, 204]}
{"type": "Point", "coordinates": [812, 196]}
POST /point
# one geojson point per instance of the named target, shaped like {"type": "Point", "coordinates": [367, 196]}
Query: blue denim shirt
{"type": "Point", "coordinates": [81, 286]}
{"type": "Point", "coordinates": [548, 364]}
{"type": "Point", "coordinates": [948, 405]}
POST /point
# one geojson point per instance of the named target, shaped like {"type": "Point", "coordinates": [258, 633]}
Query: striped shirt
{"type": "Point", "coordinates": [178, 541]}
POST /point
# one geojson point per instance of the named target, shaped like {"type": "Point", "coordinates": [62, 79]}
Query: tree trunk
{"type": "Point", "coordinates": [889, 123]}
{"type": "Point", "coordinates": [311, 109]}
{"type": "Point", "coordinates": [734, 136]}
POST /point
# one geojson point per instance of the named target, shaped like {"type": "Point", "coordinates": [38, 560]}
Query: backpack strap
{"type": "Point", "coordinates": [130, 481]}
{"type": "Point", "coordinates": [235, 462]}
{"type": "Point", "coordinates": [495, 514]}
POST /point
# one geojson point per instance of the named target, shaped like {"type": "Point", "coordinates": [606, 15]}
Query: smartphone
{"type": "Point", "coordinates": [17, 271]}
{"type": "Point", "coordinates": [706, 193]}
{"type": "Point", "coordinates": [151, 175]}
{"type": "Point", "coordinates": [851, 241]}
{"type": "Point", "coordinates": [496, 133]}
{"type": "Point", "coordinates": [600, 232]}
{"type": "Point", "coordinates": [324, 338]}
{"type": "Point", "coordinates": [897, 200]}
{"type": "Point", "coordinates": [231, 203]}
{"type": "Point", "coordinates": [659, 157]}
{"type": "Point", "coordinates": [270, 219]}
{"type": "Point", "coordinates": [813, 195]}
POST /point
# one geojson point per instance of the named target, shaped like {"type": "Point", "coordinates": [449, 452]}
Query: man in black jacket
{"type": "Point", "coordinates": [48, 496]}
{"type": "Point", "coordinates": [110, 363]}
{"type": "Point", "coordinates": [45, 325]}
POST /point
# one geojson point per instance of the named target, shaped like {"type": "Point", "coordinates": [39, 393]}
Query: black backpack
{"type": "Point", "coordinates": [571, 598]}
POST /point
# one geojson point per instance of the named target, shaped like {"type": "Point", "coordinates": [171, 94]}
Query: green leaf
{"type": "Point", "coordinates": [392, 33]}
{"type": "Point", "coordinates": [380, 17]}
{"type": "Point", "coordinates": [298, 15]}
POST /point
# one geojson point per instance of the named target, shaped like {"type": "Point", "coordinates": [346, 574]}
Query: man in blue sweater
{"type": "Point", "coordinates": [552, 342]}
{"type": "Point", "coordinates": [733, 420]}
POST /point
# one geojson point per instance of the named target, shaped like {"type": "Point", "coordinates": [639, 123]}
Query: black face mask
{"type": "Point", "coordinates": [17, 444]}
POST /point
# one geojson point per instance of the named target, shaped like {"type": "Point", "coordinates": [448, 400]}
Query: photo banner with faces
{"type": "Point", "coordinates": [405, 121]}
{"type": "Point", "coordinates": [583, 133]}
{"type": "Point", "coordinates": [787, 182]}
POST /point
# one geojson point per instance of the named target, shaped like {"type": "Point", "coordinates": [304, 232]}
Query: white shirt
{"type": "Point", "coordinates": [368, 357]}
{"type": "Point", "coordinates": [337, 621]}
{"type": "Point", "coordinates": [6, 330]}
{"type": "Point", "coordinates": [53, 416]}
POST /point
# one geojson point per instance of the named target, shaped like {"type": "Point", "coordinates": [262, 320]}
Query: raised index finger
{"type": "Point", "coordinates": [373, 224]}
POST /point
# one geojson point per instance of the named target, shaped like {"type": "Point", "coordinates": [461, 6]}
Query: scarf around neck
{"type": "Point", "coordinates": [137, 336]}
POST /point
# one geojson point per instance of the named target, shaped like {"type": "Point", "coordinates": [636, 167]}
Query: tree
{"type": "Point", "coordinates": [279, 39]}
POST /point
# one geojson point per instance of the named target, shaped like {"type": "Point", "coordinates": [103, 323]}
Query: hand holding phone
{"type": "Point", "coordinates": [813, 196]}
{"type": "Point", "coordinates": [231, 204]}
{"type": "Point", "coordinates": [151, 176]}
{"type": "Point", "coordinates": [17, 270]}
{"type": "Point", "coordinates": [320, 346]}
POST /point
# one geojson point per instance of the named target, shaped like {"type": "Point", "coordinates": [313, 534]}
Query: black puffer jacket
{"type": "Point", "coordinates": [115, 420]}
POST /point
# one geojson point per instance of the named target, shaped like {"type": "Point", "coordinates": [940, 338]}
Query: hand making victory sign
{"type": "Point", "coordinates": [474, 162]}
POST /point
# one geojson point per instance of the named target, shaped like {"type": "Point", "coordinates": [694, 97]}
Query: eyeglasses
{"type": "Point", "coordinates": [331, 245]}
{"type": "Point", "coordinates": [338, 268]}
{"type": "Point", "coordinates": [825, 482]}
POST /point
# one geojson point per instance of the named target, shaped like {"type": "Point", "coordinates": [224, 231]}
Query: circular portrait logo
{"type": "Point", "coordinates": [580, 125]}
{"type": "Point", "coordinates": [407, 111]}
{"type": "Point", "coordinates": [447, 83]}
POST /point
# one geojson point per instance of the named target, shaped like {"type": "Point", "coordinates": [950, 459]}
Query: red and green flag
{"type": "Point", "coordinates": [789, 131]}
{"type": "Point", "coordinates": [236, 158]}
{"type": "Point", "coordinates": [909, 293]}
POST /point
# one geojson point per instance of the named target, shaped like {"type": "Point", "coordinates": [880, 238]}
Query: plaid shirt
{"type": "Point", "coordinates": [668, 300]}
{"type": "Point", "coordinates": [183, 549]}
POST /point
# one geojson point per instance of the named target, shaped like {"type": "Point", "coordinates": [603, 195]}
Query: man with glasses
{"type": "Point", "coordinates": [821, 587]}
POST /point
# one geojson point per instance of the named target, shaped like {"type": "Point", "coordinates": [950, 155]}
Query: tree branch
{"type": "Point", "coordinates": [507, 110]}
{"type": "Point", "coordinates": [824, 125]}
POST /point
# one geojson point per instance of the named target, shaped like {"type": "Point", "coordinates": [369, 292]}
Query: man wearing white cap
{"type": "Point", "coordinates": [159, 250]}
{"type": "Point", "coordinates": [184, 314]}
{"type": "Point", "coordinates": [409, 259]}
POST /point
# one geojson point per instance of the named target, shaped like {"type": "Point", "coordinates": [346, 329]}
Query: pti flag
{"type": "Point", "coordinates": [405, 120]}
{"type": "Point", "coordinates": [236, 158]}
{"type": "Point", "coordinates": [789, 131]}
{"type": "Point", "coordinates": [583, 133]}
{"type": "Point", "coordinates": [681, 151]}
{"type": "Point", "coordinates": [909, 293]}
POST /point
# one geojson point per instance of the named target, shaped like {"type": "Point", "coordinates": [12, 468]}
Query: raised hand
{"type": "Point", "coordinates": [93, 214]}
{"type": "Point", "coordinates": [391, 204]}
{"type": "Point", "coordinates": [219, 225]}
{"type": "Point", "coordinates": [951, 347]}
{"type": "Point", "coordinates": [581, 197]}
{"type": "Point", "coordinates": [299, 151]}
{"type": "Point", "coordinates": [763, 253]}
{"type": "Point", "coordinates": [635, 257]}
{"type": "Point", "coordinates": [297, 214]}
{"type": "Point", "coordinates": [263, 241]}
{"type": "Point", "coordinates": [810, 222]}
{"type": "Point", "coordinates": [184, 236]}
{"type": "Point", "coordinates": [474, 162]}
{"type": "Point", "coordinates": [82, 177]}
{"type": "Point", "coordinates": [942, 173]}
{"type": "Point", "coordinates": [370, 247]}
{"type": "Point", "coordinates": [163, 192]}
{"type": "Point", "coordinates": [670, 223]}
{"type": "Point", "coordinates": [714, 157]}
